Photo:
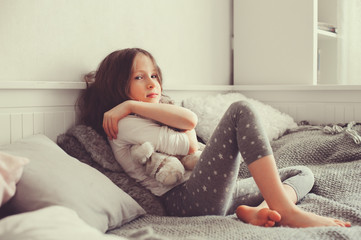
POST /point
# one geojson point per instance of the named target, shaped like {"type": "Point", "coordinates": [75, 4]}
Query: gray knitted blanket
{"type": "Point", "coordinates": [335, 160]}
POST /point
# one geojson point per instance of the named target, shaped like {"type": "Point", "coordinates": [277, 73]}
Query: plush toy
{"type": "Point", "coordinates": [165, 168]}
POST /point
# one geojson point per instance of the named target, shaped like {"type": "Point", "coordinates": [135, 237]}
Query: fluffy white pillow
{"type": "Point", "coordinates": [11, 169]}
{"type": "Point", "coordinates": [210, 110]}
{"type": "Point", "coordinates": [52, 177]}
{"type": "Point", "coordinates": [55, 222]}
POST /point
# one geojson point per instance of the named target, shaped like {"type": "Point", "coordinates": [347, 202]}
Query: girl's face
{"type": "Point", "coordinates": [144, 82]}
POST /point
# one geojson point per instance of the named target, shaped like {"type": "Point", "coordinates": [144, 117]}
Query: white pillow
{"type": "Point", "coordinates": [210, 110]}
{"type": "Point", "coordinates": [52, 177]}
{"type": "Point", "coordinates": [55, 222]}
{"type": "Point", "coordinates": [11, 169]}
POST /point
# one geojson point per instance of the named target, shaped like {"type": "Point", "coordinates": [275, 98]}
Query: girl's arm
{"type": "Point", "coordinates": [193, 141]}
{"type": "Point", "coordinates": [170, 115]}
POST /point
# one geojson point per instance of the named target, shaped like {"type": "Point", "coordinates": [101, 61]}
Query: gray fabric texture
{"type": "Point", "coordinates": [85, 144]}
{"type": "Point", "coordinates": [336, 163]}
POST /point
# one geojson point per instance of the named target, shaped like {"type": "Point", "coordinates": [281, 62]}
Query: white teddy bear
{"type": "Point", "coordinates": [165, 168]}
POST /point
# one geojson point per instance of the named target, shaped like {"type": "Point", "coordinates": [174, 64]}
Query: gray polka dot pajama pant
{"type": "Point", "coordinates": [214, 187]}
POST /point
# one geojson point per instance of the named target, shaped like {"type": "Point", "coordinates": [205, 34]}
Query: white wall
{"type": "Point", "coordinates": [44, 40]}
{"type": "Point", "coordinates": [274, 42]}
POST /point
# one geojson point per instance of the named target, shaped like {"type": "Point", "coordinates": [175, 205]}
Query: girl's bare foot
{"type": "Point", "coordinates": [258, 216]}
{"type": "Point", "coordinates": [300, 218]}
{"type": "Point", "coordinates": [263, 216]}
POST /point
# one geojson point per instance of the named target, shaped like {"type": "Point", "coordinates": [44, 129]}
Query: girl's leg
{"type": "Point", "coordinates": [210, 188]}
{"type": "Point", "coordinates": [264, 172]}
{"type": "Point", "coordinates": [298, 180]}
{"type": "Point", "coordinates": [211, 185]}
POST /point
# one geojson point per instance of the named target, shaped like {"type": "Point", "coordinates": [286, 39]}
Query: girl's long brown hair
{"type": "Point", "coordinates": [108, 86]}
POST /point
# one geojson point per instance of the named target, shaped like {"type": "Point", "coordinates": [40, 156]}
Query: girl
{"type": "Point", "coordinates": [123, 104]}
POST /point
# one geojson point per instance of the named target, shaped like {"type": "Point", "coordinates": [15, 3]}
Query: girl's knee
{"type": "Point", "coordinates": [300, 178]}
{"type": "Point", "coordinates": [307, 181]}
{"type": "Point", "coordinates": [242, 106]}
{"type": "Point", "coordinates": [302, 172]}
{"type": "Point", "coordinates": [306, 174]}
{"type": "Point", "coordinates": [305, 171]}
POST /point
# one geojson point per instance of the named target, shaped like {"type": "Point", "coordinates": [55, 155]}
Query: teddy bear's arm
{"type": "Point", "coordinates": [142, 152]}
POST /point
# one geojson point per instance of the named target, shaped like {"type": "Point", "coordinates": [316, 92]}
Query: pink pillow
{"type": "Point", "coordinates": [11, 169]}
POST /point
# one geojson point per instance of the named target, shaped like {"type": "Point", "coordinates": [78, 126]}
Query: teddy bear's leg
{"type": "Point", "coordinates": [141, 152]}
{"type": "Point", "coordinates": [189, 161]}
{"type": "Point", "coordinates": [154, 163]}
{"type": "Point", "coordinates": [171, 171]}
{"type": "Point", "coordinates": [164, 168]}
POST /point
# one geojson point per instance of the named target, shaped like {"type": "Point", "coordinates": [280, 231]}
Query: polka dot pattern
{"type": "Point", "coordinates": [213, 187]}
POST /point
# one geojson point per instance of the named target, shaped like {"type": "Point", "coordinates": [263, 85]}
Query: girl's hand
{"type": "Point", "coordinates": [112, 117]}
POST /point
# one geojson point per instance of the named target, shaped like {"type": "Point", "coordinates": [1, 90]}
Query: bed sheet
{"type": "Point", "coordinates": [335, 160]}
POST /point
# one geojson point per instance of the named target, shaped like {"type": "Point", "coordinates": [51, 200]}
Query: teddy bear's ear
{"type": "Point", "coordinates": [166, 99]}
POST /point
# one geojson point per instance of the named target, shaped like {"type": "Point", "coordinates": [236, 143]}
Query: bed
{"type": "Point", "coordinates": [72, 187]}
